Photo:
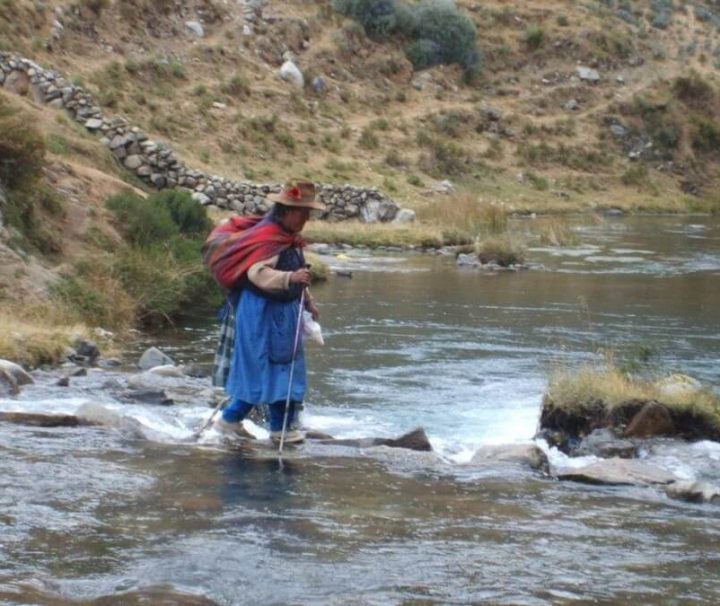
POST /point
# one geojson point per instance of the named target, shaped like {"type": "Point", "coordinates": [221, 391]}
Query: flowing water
{"type": "Point", "coordinates": [103, 515]}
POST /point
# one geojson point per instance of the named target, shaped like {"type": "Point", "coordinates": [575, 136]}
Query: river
{"type": "Point", "coordinates": [96, 515]}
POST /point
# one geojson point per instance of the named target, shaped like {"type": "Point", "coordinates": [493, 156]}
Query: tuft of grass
{"type": "Point", "coordinates": [555, 231]}
{"type": "Point", "coordinates": [577, 390]}
{"type": "Point", "coordinates": [37, 335]}
{"type": "Point", "coordinates": [463, 218]}
{"type": "Point", "coordinates": [506, 250]}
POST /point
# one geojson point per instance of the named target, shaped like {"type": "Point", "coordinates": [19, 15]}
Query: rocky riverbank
{"type": "Point", "coordinates": [614, 453]}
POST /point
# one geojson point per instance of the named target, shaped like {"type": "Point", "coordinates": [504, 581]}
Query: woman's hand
{"type": "Point", "coordinates": [301, 276]}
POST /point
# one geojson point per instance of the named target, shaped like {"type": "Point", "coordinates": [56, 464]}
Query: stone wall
{"type": "Point", "coordinates": [159, 167]}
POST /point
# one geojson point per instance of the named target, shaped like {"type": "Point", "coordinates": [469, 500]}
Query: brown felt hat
{"type": "Point", "coordinates": [300, 194]}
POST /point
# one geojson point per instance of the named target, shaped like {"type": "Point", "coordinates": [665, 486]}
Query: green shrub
{"type": "Point", "coordinates": [189, 216]}
{"type": "Point", "coordinates": [635, 175]}
{"type": "Point", "coordinates": [435, 31]}
{"type": "Point", "coordinates": [237, 87]}
{"type": "Point", "coordinates": [452, 34]}
{"type": "Point", "coordinates": [22, 148]}
{"type": "Point", "coordinates": [142, 221]}
{"type": "Point", "coordinates": [706, 135]}
{"type": "Point", "coordinates": [378, 17]}
{"type": "Point", "coordinates": [161, 269]}
{"type": "Point", "coordinates": [538, 181]}
{"type": "Point", "coordinates": [693, 90]}
{"type": "Point", "coordinates": [368, 139]}
{"type": "Point", "coordinates": [534, 37]}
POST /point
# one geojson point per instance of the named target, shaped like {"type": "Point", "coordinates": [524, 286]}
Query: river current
{"type": "Point", "coordinates": [116, 515]}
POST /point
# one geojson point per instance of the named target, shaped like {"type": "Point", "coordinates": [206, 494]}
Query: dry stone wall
{"type": "Point", "coordinates": [158, 166]}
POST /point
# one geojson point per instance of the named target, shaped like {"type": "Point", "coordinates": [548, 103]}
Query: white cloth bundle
{"type": "Point", "coordinates": [311, 329]}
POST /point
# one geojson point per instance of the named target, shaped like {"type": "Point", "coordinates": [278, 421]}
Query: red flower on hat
{"type": "Point", "coordinates": [294, 193]}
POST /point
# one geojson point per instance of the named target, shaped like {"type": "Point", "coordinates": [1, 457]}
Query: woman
{"type": "Point", "coordinates": [266, 302]}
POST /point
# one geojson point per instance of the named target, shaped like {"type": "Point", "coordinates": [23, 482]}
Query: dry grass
{"type": "Point", "coordinates": [576, 390]}
{"type": "Point", "coordinates": [374, 235]}
{"type": "Point", "coordinates": [555, 231]}
{"type": "Point", "coordinates": [35, 336]}
{"type": "Point", "coordinates": [465, 214]}
{"type": "Point", "coordinates": [505, 250]}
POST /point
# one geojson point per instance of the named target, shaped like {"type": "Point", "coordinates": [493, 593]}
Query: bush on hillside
{"type": "Point", "coordinates": [189, 216]}
{"type": "Point", "coordinates": [693, 90]}
{"type": "Point", "coordinates": [454, 34]}
{"type": "Point", "coordinates": [378, 17]}
{"type": "Point", "coordinates": [22, 148]}
{"type": "Point", "coordinates": [161, 269]}
{"type": "Point", "coordinates": [142, 221]}
{"type": "Point", "coordinates": [435, 31]}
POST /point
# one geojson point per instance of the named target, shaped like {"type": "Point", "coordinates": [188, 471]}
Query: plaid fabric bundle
{"type": "Point", "coordinates": [226, 345]}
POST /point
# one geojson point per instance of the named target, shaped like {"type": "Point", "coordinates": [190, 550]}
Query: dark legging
{"type": "Point", "coordinates": [237, 410]}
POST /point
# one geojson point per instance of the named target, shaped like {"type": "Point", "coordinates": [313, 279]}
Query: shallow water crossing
{"type": "Point", "coordinates": [117, 515]}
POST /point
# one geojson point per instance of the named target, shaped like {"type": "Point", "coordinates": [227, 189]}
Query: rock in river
{"type": "Point", "coordinates": [618, 471]}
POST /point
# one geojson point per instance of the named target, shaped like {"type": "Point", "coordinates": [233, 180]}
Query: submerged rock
{"type": "Point", "coordinates": [42, 420]}
{"type": "Point", "coordinates": [618, 471]}
{"type": "Point", "coordinates": [147, 396]}
{"type": "Point", "coordinates": [413, 440]}
{"type": "Point", "coordinates": [605, 443]}
{"type": "Point", "coordinates": [524, 454]}
{"type": "Point", "coordinates": [695, 492]}
{"type": "Point", "coordinates": [8, 384]}
{"type": "Point", "coordinates": [21, 376]}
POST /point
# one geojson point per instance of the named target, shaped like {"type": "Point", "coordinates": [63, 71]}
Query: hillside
{"type": "Point", "coordinates": [527, 131]}
{"type": "Point", "coordinates": [558, 106]}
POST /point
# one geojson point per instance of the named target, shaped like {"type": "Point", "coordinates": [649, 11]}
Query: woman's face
{"type": "Point", "coordinates": [295, 219]}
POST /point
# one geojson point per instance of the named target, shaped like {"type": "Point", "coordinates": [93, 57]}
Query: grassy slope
{"type": "Point", "coordinates": [373, 126]}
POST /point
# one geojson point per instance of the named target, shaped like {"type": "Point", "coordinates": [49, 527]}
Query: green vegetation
{"type": "Point", "coordinates": [31, 204]}
{"type": "Point", "coordinates": [435, 32]}
{"type": "Point", "coordinates": [154, 275]}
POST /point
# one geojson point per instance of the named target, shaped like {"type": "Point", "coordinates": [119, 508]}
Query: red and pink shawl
{"type": "Point", "coordinates": [233, 247]}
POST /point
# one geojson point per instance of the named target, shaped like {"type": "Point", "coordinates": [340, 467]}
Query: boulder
{"type": "Point", "coordinates": [694, 492]}
{"type": "Point", "coordinates": [319, 85]}
{"type": "Point", "coordinates": [588, 74]}
{"type": "Point", "coordinates": [8, 384]}
{"type": "Point", "coordinates": [18, 372]}
{"type": "Point", "coordinates": [618, 471]}
{"type": "Point", "coordinates": [524, 454]}
{"type": "Point", "coordinates": [86, 352]}
{"type": "Point", "coordinates": [153, 357]}
{"type": "Point", "coordinates": [17, 82]}
{"type": "Point", "coordinates": [291, 73]}
{"type": "Point", "coordinates": [195, 28]}
{"type": "Point", "coordinates": [654, 419]}
{"type": "Point", "coordinates": [94, 124]}
{"type": "Point", "coordinates": [133, 162]}
{"type": "Point", "coordinates": [413, 440]}
{"type": "Point", "coordinates": [405, 215]}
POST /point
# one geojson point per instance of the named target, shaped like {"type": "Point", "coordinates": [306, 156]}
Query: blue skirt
{"type": "Point", "coordinates": [264, 340]}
